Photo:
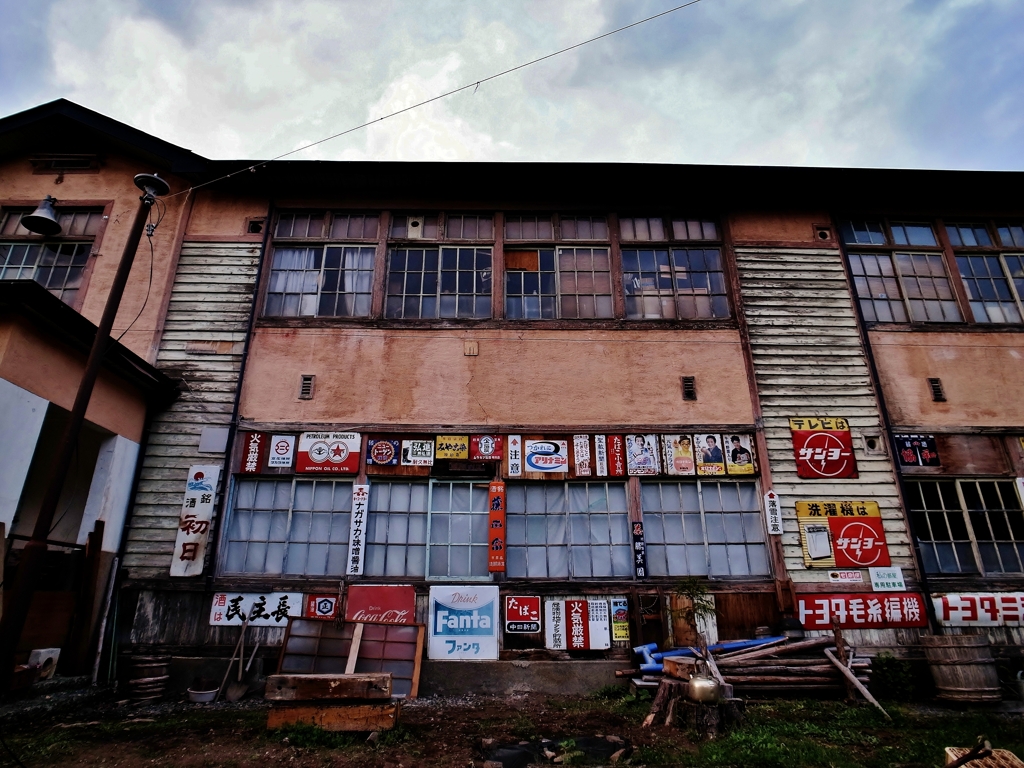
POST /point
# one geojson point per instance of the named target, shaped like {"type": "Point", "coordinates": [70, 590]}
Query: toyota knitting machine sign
{"type": "Point", "coordinates": [463, 623]}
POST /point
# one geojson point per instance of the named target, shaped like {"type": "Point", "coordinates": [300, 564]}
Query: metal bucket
{"type": "Point", "coordinates": [962, 667]}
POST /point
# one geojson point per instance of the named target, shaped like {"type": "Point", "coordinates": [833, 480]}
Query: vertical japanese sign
{"type": "Point", "coordinates": [496, 528]}
{"type": "Point", "coordinates": [266, 609]}
{"type": "Point", "coordinates": [917, 451]}
{"type": "Point", "coordinates": [842, 534]}
{"type": "Point", "coordinates": [515, 456]}
{"type": "Point", "coordinates": [601, 455]}
{"type": "Point", "coordinates": [195, 520]}
{"type": "Point", "coordinates": [581, 454]}
{"type": "Point", "coordinates": [577, 624]}
{"type": "Point", "coordinates": [282, 451]}
{"type": "Point", "coordinates": [620, 619]}
{"type": "Point", "coordinates": [642, 455]}
{"type": "Point", "coordinates": [357, 530]}
{"type": "Point", "coordinates": [324, 452]}
{"type": "Point", "coordinates": [639, 551]}
{"type": "Point", "coordinates": [254, 449]}
{"type": "Point", "coordinates": [773, 513]}
{"type": "Point", "coordinates": [486, 447]}
{"type": "Point", "coordinates": [823, 448]}
{"type": "Point", "coordinates": [463, 623]}
{"type": "Point", "coordinates": [522, 614]}
{"type": "Point", "coordinates": [616, 456]}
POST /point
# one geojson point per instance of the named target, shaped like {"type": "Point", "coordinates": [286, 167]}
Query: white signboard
{"type": "Point", "coordinates": [846, 577]}
{"type": "Point", "coordinates": [577, 624]}
{"type": "Point", "coordinates": [980, 609]}
{"type": "Point", "coordinates": [417, 453]}
{"type": "Point", "coordinates": [547, 456]}
{"type": "Point", "coordinates": [281, 451]}
{"type": "Point", "coordinates": [357, 530]}
{"type": "Point", "coordinates": [195, 520]}
{"type": "Point", "coordinates": [515, 456]}
{"type": "Point", "coordinates": [267, 609]}
{"type": "Point", "coordinates": [773, 513]}
{"type": "Point", "coordinates": [601, 455]}
{"type": "Point", "coordinates": [463, 623]}
{"type": "Point", "coordinates": [581, 454]}
{"type": "Point", "coordinates": [887, 579]}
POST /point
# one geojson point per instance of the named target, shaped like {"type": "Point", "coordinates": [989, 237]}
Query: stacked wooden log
{"type": "Point", "coordinates": [790, 669]}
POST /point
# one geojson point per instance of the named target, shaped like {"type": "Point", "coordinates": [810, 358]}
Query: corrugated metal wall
{"type": "Point", "coordinates": [809, 360]}
{"type": "Point", "coordinates": [203, 339]}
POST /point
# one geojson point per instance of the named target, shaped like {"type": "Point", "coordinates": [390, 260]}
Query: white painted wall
{"type": "Point", "coordinates": [110, 491]}
{"type": "Point", "coordinates": [21, 419]}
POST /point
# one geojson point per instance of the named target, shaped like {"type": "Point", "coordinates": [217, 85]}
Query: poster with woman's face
{"type": "Point", "coordinates": [739, 454]}
{"type": "Point", "coordinates": [677, 453]}
{"type": "Point", "coordinates": [709, 453]}
{"type": "Point", "coordinates": [642, 455]}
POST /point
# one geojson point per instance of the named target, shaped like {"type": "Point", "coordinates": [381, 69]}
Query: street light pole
{"type": "Point", "coordinates": [30, 567]}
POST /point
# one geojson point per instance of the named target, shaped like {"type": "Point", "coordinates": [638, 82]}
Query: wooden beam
{"type": "Point", "coordinates": [853, 679]}
{"type": "Point", "coordinates": [351, 717]}
{"type": "Point", "coordinates": [375, 685]}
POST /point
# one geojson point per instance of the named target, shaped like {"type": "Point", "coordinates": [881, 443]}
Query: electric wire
{"type": "Point", "coordinates": [475, 85]}
{"type": "Point", "coordinates": [150, 229]}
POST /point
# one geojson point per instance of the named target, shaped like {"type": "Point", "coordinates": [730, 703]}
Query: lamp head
{"type": "Point", "coordinates": [43, 220]}
{"type": "Point", "coordinates": [152, 184]}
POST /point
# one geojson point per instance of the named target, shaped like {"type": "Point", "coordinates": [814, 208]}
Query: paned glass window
{"type": "Point", "coordinates": [520, 227]}
{"type": "Point", "coordinates": [692, 229]}
{"type": "Point", "coordinates": [403, 227]}
{"type": "Point", "coordinates": [300, 225]}
{"type": "Point", "coordinates": [862, 233]}
{"type": "Point", "coordinates": [439, 283]}
{"type": "Point", "coordinates": [704, 529]}
{"type": "Point", "coordinates": [989, 291]}
{"type": "Point", "coordinates": [574, 284]}
{"type": "Point", "coordinates": [641, 229]}
{"type": "Point", "coordinates": [58, 267]}
{"type": "Point", "coordinates": [674, 283]}
{"type": "Point", "coordinates": [73, 223]}
{"type": "Point", "coordinates": [396, 530]}
{"type": "Point", "coordinates": [911, 284]}
{"type": "Point", "coordinates": [568, 531]}
{"type": "Point", "coordinates": [583, 227]}
{"type": "Point", "coordinates": [913, 234]}
{"type": "Point", "coordinates": [458, 530]}
{"type": "Point", "coordinates": [967, 526]}
{"type": "Point", "coordinates": [347, 226]}
{"type": "Point", "coordinates": [969, 235]}
{"type": "Point", "coordinates": [292, 526]}
{"type": "Point", "coordinates": [470, 227]}
{"type": "Point", "coordinates": [1011, 235]}
{"type": "Point", "coordinates": [321, 281]}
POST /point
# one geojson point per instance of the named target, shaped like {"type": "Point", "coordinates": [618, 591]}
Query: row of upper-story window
{"type": "Point", "coordinates": [925, 271]}
{"type": "Point", "coordinates": [441, 267]}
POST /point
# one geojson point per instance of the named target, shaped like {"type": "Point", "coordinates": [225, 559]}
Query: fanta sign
{"type": "Point", "coordinates": [463, 623]}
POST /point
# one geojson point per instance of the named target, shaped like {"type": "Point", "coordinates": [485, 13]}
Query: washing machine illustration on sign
{"type": "Point", "coordinates": [819, 542]}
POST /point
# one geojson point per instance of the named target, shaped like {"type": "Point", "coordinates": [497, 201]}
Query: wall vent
{"type": "Point", "coordinates": [938, 395]}
{"type": "Point", "coordinates": [689, 388]}
{"type": "Point", "coordinates": [307, 384]}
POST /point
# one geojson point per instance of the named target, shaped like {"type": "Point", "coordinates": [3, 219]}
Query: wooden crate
{"type": "Point", "coordinates": [317, 687]}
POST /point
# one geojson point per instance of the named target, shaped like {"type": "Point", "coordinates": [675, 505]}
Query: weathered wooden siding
{"type": "Point", "coordinates": [809, 360]}
{"type": "Point", "coordinates": [202, 343]}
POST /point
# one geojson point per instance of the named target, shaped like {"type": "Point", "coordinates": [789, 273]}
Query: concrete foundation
{"type": "Point", "coordinates": [453, 678]}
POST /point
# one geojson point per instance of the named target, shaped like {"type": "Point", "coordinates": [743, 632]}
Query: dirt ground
{"type": "Point", "coordinates": [458, 732]}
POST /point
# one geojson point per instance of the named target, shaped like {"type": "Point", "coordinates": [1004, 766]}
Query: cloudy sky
{"type": "Point", "coordinates": [904, 83]}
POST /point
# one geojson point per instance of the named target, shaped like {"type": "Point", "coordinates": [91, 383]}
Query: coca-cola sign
{"type": "Point", "coordinates": [390, 604]}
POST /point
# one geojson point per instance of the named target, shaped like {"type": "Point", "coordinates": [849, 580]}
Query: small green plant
{"type": "Point", "coordinates": [305, 736]}
{"type": "Point", "coordinates": [701, 605]}
{"type": "Point", "coordinates": [570, 755]}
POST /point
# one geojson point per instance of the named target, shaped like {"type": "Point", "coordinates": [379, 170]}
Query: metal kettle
{"type": "Point", "coordinates": [703, 688]}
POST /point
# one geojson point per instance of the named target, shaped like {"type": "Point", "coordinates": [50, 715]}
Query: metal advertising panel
{"type": "Point", "coordinates": [639, 551]}
{"type": "Point", "coordinates": [463, 623]}
{"type": "Point", "coordinates": [862, 611]}
{"type": "Point", "coordinates": [842, 534]}
{"type": "Point", "coordinates": [254, 450]}
{"type": "Point", "coordinates": [357, 530]}
{"type": "Point", "coordinates": [267, 609]}
{"type": "Point", "coordinates": [739, 455]}
{"type": "Point", "coordinates": [823, 448]}
{"type": "Point", "coordinates": [322, 607]}
{"type": "Point", "coordinates": [581, 455]}
{"type": "Point", "coordinates": [710, 457]}
{"type": "Point", "coordinates": [846, 577]}
{"type": "Point", "coordinates": [980, 609]}
{"type": "Point", "coordinates": [322, 452]}
{"type": "Point", "coordinates": [616, 456]}
{"type": "Point", "coordinates": [417, 453]}
{"type": "Point", "coordinates": [496, 528]}
{"type": "Point", "coordinates": [515, 456]}
{"type": "Point", "coordinates": [282, 451]}
{"type": "Point", "coordinates": [451, 447]}
{"type": "Point", "coordinates": [381, 604]}
{"type": "Point", "coordinates": [547, 456]}
{"type": "Point", "coordinates": [195, 519]}
{"type": "Point", "coordinates": [642, 455]}
{"type": "Point", "coordinates": [887, 579]}
{"type": "Point", "coordinates": [522, 614]}
{"type": "Point", "coordinates": [486, 447]}
{"type": "Point", "coordinates": [773, 513]}
{"type": "Point", "coordinates": [620, 619]}
{"type": "Point", "coordinates": [384, 453]}
{"type": "Point", "coordinates": [917, 450]}
{"type": "Point", "coordinates": [577, 625]}
{"type": "Point", "coordinates": [677, 451]}
{"type": "Point", "coordinates": [601, 455]}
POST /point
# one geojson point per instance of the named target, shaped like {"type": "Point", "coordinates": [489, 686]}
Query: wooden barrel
{"type": "Point", "coordinates": [962, 667]}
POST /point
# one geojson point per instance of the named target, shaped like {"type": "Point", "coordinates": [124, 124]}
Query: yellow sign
{"type": "Point", "coordinates": [819, 424]}
{"type": "Point", "coordinates": [817, 532]}
{"type": "Point", "coordinates": [451, 447]}
{"type": "Point", "coordinates": [820, 509]}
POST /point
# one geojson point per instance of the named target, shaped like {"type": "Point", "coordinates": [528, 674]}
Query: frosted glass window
{"type": "Point", "coordinates": [459, 540]}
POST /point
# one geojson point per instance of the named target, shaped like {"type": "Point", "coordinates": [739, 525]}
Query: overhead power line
{"type": "Point", "coordinates": [474, 85]}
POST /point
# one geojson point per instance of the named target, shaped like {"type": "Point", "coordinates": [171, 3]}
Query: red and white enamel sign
{"type": "Point", "coordinates": [522, 614]}
{"type": "Point", "coordinates": [823, 448]}
{"type": "Point", "coordinates": [385, 604]}
{"type": "Point", "coordinates": [328, 452]}
{"type": "Point", "coordinates": [862, 610]}
{"type": "Point", "coordinates": [254, 449]}
{"type": "Point", "coordinates": [577, 625]}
